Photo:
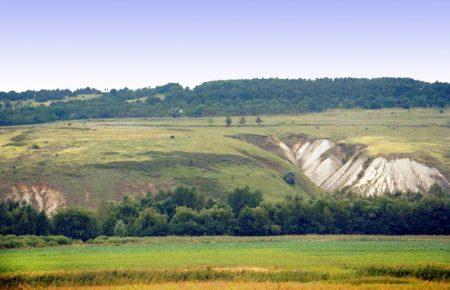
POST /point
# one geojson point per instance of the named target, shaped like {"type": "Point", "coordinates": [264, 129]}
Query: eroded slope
{"type": "Point", "coordinates": [334, 166]}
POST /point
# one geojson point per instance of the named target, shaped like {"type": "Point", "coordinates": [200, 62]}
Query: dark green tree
{"type": "Point", "coordinates": [25, 220]}
{"type": "Point", "coordinates": [228, 121]}
{"type": "Point", "coordinates": [217, 220]}
{"type": "Point", "coordinates": [186, 222]}
{"type": "Point", "coordinates": [42, 224]}
{"type": "Point", "coordinates": [253, 222]}
{"type": "Point", "coordinates": [151, 223]}
{"type": "Point", "coordinates": [75, 223]}
{"type": "Point", "coordinates": [243, 197]}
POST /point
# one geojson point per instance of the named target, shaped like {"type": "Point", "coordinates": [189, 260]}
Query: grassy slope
{"type": "Point", "coordinates": [103, 159]}
{"type": "Point", "coordinates": [32, 102]}
{"type": "Point", "coordinates": [335, 258]}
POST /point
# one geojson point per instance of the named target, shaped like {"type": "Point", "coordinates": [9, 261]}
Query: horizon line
{"type": "Point", "coordinates": [183, 84]}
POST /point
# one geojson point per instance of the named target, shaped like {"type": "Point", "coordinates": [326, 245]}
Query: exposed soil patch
{"type": "Point", "coordinates": [335, 166]}
{"type": "Point", "coordinates": [240, 269]}
{"type": "Point", "coordinates": [180, 130]}
{"type": "Point", "coordinates": [74, 128]}
{"type": "Point", "coordinates": [42, 197]}
{"type": "Point", "coordinates": [141, 188]}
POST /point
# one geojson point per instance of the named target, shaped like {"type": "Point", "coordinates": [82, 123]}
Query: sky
{"type": "Point", "coordinates": [116, 44]}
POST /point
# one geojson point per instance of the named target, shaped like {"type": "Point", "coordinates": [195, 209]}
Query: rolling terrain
{"type": "Point", "coordinates": [81, 163]}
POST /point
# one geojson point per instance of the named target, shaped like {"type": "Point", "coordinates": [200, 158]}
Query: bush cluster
{"type": "Point", "coordinates": [12, 241]}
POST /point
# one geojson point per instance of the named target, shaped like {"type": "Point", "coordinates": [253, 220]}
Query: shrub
{"type": "Point", "coordinates": [12, 241]}
{"type": "Point", "coordinates": [289, 177]}
{"type": "Point", "coordinates": [428, 272]}
{"type": "Point", "coordinates": [120, 229]}
{"type": "Point", "coordinates": [275, 229]}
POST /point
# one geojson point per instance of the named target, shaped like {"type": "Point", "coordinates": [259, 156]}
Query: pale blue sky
{"type": "Point", "coordinates": [113, 44]}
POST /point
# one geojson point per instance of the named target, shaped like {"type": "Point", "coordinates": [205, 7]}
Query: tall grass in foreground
{"type": "Point", "coordinates": [271, 286]}
{"type": "Point", "coordinates": [89, 278]}
{"type": "Point", "coordinates": [429, 273]}
{"type": "Point", "coordinates": [93, 278]}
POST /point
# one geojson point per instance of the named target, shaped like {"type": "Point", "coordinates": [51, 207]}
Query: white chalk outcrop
{"type": "Point", "coordinates": [334, 166]}
{"type": "Point", "coordinates": [403, 174]}
{"type": "Point", "coordinates": [42, 197]}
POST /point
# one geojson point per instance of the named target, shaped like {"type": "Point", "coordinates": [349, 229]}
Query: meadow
{"type": "Point", "coordinates": [94, 160]}
{"type": "Point", "coordinates": [340, 260]}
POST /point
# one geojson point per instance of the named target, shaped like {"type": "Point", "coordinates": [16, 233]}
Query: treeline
{"type": "Point", "coordinates": [231, 97]}
{"type": "Point", "coordinates": [243, 212]}
{"type": "Point", "coordinates": [45, 95]}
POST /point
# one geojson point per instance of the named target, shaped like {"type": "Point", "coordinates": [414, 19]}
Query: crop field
{"type": "Point", "coordinates": [340, 260]}
{"type": "Point", "coordinates": [94, 160]}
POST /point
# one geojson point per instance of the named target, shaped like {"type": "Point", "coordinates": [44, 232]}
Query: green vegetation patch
{"type": "Point", "coordinates": [165, 160]}
{"type": "Point", "coordinates": [107, 261]}
{"type": "Point", "coordinates": [95, 160]}
{"type": "Point", "coordinates": [27, 241]}
{"type": "Point", "coordinates": [428, 272]}
{"type": "Point", "coordinates": [20, 139]}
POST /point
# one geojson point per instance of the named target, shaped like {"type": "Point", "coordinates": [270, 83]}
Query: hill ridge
{"type": "Point", "coordinates": [224, 97]}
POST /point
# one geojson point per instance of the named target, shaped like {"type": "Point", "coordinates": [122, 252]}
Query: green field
{"type": "Point", "coordinates": [337, 259]}
{"type": "Point", "coordinates": [94, 160]}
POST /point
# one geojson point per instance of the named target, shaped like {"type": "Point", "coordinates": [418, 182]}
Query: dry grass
{"type": "Point", "coordinates": [269, 286]}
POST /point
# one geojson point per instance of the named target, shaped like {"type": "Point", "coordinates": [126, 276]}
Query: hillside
{"type": "Point", "coordinates": [220, 98]}
{"type": "Point", "coordinates": [89, 161]}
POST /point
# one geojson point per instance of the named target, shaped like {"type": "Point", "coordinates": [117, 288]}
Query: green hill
{"type": "Point", "coordinates": [85, 162]}
{"type": "Point", "coordinates": [220, 98]}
